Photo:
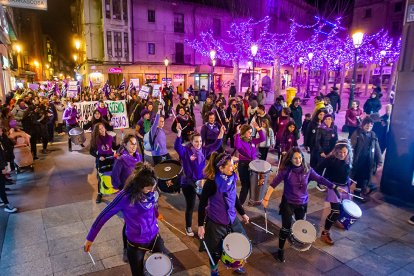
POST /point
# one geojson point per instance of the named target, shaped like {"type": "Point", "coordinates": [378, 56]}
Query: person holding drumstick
{"type": "Point", "coordinates": [138, 203]}
{"type": "Point", "coordinates": [296, 175]}
{"type": "Point", "coordinates": [219, 200]}
{"type": "Point", "coordinates": [337, 166]}
{"type": "Point", "coordinates": [246, 146]}
{"type": "Point", "coordinates": [123, 168]}
{"type": "Point", "coordinates": [70, 116]}
{"type": "Point", "coordinates": [193, 158]}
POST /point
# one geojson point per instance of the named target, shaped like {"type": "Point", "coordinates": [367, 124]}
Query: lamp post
{"type": "Point", "coordinates": [336, 62]}
{"type": "Point", "coordinates": [357, 41]}
{"type": "Point", "coordinates": [213, 58]}
{"type": "Point", "coordinates": [310, 56]}
{"type": "Point", "coordinates": [254, 50]}
{"type": "Point", "coordinates": [166, 61]}
{"type": "Point", "coordinates": [299, 81]}
{"type": "Point", "coordinates": [382, 53]}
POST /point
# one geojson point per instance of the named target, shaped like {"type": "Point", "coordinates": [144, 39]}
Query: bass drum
{"type": "Point", "coordinates": [168, 173]}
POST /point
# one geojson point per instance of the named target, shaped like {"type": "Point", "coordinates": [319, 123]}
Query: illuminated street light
{"type": "Point", "coordinates": [357, 39]}
{"type": "Point", "coordinates": [75, 57]}
{"type": "Point", "coordinates": [310, 57]}
{"type": "Point", "coordinates": [36, 63]}
{"type": "Point", "coordinates": [212, 54]}
{"type": "Point", "coordinates": [166, 61]}
{"type": "Point", "coordinates": [254, 48]}
{"type": "Point", "coordinates": [77, 44]}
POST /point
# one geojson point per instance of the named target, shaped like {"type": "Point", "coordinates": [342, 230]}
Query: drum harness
{"type": "Point", "coordinates": [144, 248]}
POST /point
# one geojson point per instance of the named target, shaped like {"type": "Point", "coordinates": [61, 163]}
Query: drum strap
{"type": "Point", "coordinates": [143, 248]}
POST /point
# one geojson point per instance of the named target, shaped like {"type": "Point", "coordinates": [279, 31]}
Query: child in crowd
{"type": "Point", "coordinates": [305, 123]}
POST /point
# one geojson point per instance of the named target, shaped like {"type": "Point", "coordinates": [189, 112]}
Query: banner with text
{"type": "Point", "coordinates": [117, 108]}
{"type": "Point", "coordinates": [26, 4]}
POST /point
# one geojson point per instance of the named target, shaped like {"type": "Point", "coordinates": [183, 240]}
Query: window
{"type": "Point", "coordinates": [217, 27]}
{"type": "Point", "coordinates": [126, 45]}
{"type": "Point", "coordinates": [178, 23]}
{"type": "Point", "coordinates": [108, 8]}
{"type": "Point", "coordinates": [151, 48]}
{"type": "Point", "coordinates": [125, 10]}
{"type": "Point", "coordinates": [368, 13]}
{"type": "Point", "coordinates": [179, 53]}
{"type": "Point", "coordinates": [398, 7]}
{"type": "Point", "coordinates": [118, 44]}
{"type": "Point", "coordinates": [109, 43]}
{"type": "Point", "coordinates": [151, 16]}
{"type": "Point", "coordinates": [116, 9]}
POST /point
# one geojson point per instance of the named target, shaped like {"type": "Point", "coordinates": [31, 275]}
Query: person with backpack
{"type": "Point", "coordinates": [155, 141]}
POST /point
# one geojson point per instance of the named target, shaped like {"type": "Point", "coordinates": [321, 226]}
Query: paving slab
{"type": "Point", "coordinates": [372, 264]}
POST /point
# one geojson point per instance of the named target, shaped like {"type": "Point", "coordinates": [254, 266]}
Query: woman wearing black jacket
{"type": "Point", "coordinates": [94, 119]}
{"type": "Point", "coordinates": [296, 114]}
{"type": "Point", "coordinates": [325, 140]}
{"type": "Point", "coordinates": [310, 135]}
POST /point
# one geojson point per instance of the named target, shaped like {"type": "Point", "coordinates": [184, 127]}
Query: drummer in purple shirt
{"type": "Point", "coordinates": [70, 116]}
{"type": "Point", "coordinates": [138, 204]}
{"type": "Point", "coordinates": [219, 200]}
{"type": "Point", "coordinates": [193, 157]}
{"type": "Point", "coordinates": [296, 175]}
{"type": "Point", "coordinates": [246, 146]}
{"type": "Point", "coordinates": [123, 168]}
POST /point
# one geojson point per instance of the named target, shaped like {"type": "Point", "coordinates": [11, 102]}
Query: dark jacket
{"type": "Point", "coordinates": [372, 105]}
{"type": "Point", "coordinates": [335, 100]}
{"type": "Point", "coordinates": [325, 139]}
{"type": "Point", "coordinates": [296, 114]}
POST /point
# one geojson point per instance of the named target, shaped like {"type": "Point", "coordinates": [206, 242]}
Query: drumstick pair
{"type": "Point", "coordinates": [265, 229]}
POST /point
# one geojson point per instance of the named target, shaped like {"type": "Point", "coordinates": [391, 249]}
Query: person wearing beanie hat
{"type": "Point", "coordinates": [373, 104]}
{"type": "Point", "coordinates": [335, 99]}
{"type": "Point", "coordinates": [367, 157]}
{"type": "Point", "coordinates": [245, 144]}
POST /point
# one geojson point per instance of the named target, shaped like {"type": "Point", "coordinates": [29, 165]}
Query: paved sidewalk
{"type": "Point", "coordinates": [57, 208]}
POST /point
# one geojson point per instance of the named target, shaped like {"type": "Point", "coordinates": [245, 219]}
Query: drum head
{"type": "Point", "coordinates": [351, 208]}
{"type": "Point", "coordinates": [168, 169]}
{"type": "Point", "coordinates": [260, 166]}
{"type": "Point", "coordinates": [75, 131]}
{"type": "Point", "coordinates": [237, 246]}
{"type": "Point", "coordinates": [304, 231]}
{"type": "Point", "coordinates": [158, 264]}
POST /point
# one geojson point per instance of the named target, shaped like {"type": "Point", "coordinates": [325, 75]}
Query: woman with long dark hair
{"type": "Point", "coordinates": [296, 175]}
{"type": "Point", "coordinates": [138, 204]}
{"type": "Point", "coordinates": [219, 197]}
{"type": "Point", "coordinates": [325, 140]}
{"type": "Point", "coordinates": [94, 119]}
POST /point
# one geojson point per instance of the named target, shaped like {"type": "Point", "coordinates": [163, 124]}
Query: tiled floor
{"type": "Point", "coordinates": [57, 208]}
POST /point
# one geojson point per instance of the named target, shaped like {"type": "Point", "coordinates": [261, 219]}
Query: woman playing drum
{"type": "Point", "coordinates": [138, 204]}
{"type": "Point", "coordinates": [296, 175]}
{"type": "Point", "coordinates": [193, 157]}
{"type": "Point", "coordinates": [337, 168]}
{"type": "Point", "coordinates": [123, 168]}
{"type": "Point", "coordinates": [219, 193]}
{"type": "Point", "coordinates": [70, 116]}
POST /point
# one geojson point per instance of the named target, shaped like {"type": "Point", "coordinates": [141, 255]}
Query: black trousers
{"type": "Point", "coordinates": [244, 175]}
{"type": "Point", "coordinates": [34, 137]}
{"type": "Point", "coordinates": [333, 215]}
{"type": "Point", "coordinates": [215, 234]}
{"type": "Point", "coordinates": [263, 153]}
{"type": "Point", "coordinates": [68, 128]}
{"type": "Point", "coordinates": [3, 195]}
{"type": "Point", "coordinates": [190, 198]}
{"type": "Point", "coordinates": [136, 254]}
{"type": "Point", "coordinates": [287, 210]}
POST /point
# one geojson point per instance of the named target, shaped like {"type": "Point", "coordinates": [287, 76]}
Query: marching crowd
{"type": "Point", "coordinates": [238, 124]}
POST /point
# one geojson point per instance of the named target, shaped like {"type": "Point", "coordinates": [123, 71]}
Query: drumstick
{"type": "Point", "coordinates": [90, 256]}
{"type": "Point", "coordinates": [208, 253]}
{"type": "Point", "coordinates": [218, 115]}
{"type": "Point", "coordinates": [166, 222]}
{"type": "Point", "coordinates": [265, 219]}
{"type": "Point", "coordinates": [261, 227]}
{"type": "Point", "coordinates": [355, 196]}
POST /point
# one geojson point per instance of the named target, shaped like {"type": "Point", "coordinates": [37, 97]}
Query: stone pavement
{"type": "Point", "coordinates": [56, 208]}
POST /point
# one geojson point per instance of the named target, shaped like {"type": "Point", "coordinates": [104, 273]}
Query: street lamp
{"type": "Point", "coordinates": [357, 41]}
{"type": "Point", "coordinates": [310, 56]}
{"type": "Point", "coordinates": [75, 57]}
{"type": "Point", "coordinates": [382, 53]}
{"type": "Point", "coordinates": [299, 81]}
{"type": "Point", "coordinates": [166, 61]}
{"type": "Point", "coordinates": [254, 50]}
{"type": "Point", "coordinates": [213, 62]}
{"type": "Point", "coordinates": [77, 44]}
{"type": "Point", "coordinates": [212, 57]}
{"type": "Point", "coordinates": [336, 62]}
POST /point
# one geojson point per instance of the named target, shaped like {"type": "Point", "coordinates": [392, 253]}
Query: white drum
{"type": "Point", "coordinates": [349, 213]}
{"type": "Point", "coordinates": [236, 249]}
{"type": "Point", "coordinates": [303, 235]}
{"type": "Point", "coordinates": [259, 174]}
{"type": "Point", "coordinates": [77, 136]}
{"type": "Point", "coordinates": [158, 264]}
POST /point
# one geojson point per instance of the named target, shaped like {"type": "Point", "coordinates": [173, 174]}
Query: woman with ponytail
{"type": "Point", "coordinates": [138, 204]}
{"type": "Point", "coordinates": [219, 200]}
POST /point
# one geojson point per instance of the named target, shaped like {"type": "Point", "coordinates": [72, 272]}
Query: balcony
{"type": "Point", "coordinates": [181, 59]}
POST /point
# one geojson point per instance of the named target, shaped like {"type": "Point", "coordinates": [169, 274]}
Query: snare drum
{"type": "Point", "coordinates": [158, 264]}
{"type": "Point", "coordinates": [259, 174]}
{"type": "Point", "coordinates": [199, 186]}
{"type": "Point", "coordinates": [77, 136]}
{"type": "Point", "coordinates": [303, 235]}
{"type": "Point", "coordinates": [168, 170]}
{"type": "Point", "coordinates": [236, 249]}
{"type": "Point", "coordinates": [349, 213]}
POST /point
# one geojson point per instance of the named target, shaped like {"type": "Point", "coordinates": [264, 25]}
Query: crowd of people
{"type": "Point", "coordinates": [239, 124]}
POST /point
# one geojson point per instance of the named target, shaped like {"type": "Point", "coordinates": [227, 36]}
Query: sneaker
{"type": "Point", "coordinates": [125, 256]}
{"type": "Point", "coordinates": [240, 270]}
{"type": "Point", "coordinates": [1, 203]}
{"type": "Point", "coordinates": [326, 238]}
{"type": "Point", "coordinates": [189, 232]}
{"type": "Point", "coordinates": [10, 209]}
{"type": "Point", "coordinates": [99, 198]}
{"type": "Point", "coordinates": [320, 188]}
{"type": "Point", "coordinates": [411, 220]}
{"type": "Point", "coordinates": [281, 255]}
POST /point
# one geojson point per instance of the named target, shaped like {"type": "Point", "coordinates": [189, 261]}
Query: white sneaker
{"type": "Point", "coordinates": [10, 209]}
{"type": "Point", "coordinates": [189, 232]}
{"type": "Point", "coordinates": [1, 203]}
